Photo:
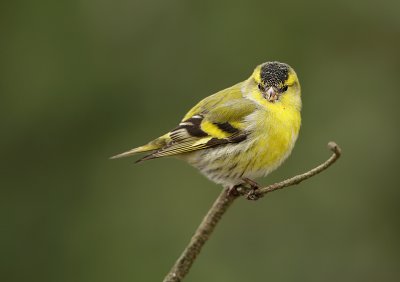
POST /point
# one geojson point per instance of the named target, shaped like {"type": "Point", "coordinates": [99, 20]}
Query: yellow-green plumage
{"type": "Point", "coordinates": [244, 131]}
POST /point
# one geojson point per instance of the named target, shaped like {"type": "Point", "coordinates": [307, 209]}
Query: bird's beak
{"type": "Point", "coordinates": [271, 94]}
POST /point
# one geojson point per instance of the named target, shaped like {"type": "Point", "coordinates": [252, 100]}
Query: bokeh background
{"type": "Point", "coordinates": [83, 80]}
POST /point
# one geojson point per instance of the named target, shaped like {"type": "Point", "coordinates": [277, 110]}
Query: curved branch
{"type": "Point", "coordinates": [256, 194]}
{"type": "Point", "coordinates": [221, 205]}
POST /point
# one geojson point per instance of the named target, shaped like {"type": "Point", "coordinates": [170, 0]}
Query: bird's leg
{"type": "Point", "coordinates": [254, 186]}
{"type": "Point", "coordinates": [240, 189]}
{"type": "Point", "coordinates": [235, 190]}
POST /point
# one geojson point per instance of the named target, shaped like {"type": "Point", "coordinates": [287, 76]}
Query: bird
{"type": "Point", "coordinates": [240, 133]}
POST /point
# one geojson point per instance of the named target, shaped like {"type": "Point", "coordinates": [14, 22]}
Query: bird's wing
{"type": "Point", "coordinates": [219, 98]}
{"type": "Point", "coordinates": [215, 121]}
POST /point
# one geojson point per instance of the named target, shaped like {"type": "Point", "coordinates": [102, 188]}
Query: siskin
{"type": "Point", "coordinates": [240, 133]}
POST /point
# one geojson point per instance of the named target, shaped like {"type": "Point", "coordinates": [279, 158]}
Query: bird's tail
{"type": "Point", "coordinates": [151, 146]}
{"type": "Point", "coordinates": [133, 151]}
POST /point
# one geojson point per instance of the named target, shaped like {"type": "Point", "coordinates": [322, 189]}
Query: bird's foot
{"type": "Point", "coordinates": [252, 193]}
{"type": "Point", "coordinates": [235, 190]}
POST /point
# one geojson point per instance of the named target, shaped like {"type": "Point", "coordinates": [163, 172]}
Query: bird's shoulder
{"type": "Point", "coordinates": [215, 100]}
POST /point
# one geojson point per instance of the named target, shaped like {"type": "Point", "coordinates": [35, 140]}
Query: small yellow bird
{"type": "Point", "coordinates": [240, 133]}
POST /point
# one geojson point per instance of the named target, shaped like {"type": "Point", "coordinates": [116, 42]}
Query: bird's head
{"type": "Point", "coordinates": [274, 82]}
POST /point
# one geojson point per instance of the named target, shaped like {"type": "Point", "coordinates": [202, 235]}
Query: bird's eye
{"type": "Point", "coordinates": [261, 87]}
{"type": "Point", "coordinates": [284, 88]}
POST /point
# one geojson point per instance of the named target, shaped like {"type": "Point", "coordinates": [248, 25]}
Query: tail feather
{"type": "Point", "coordinates": [132, 152]}
{"type": "Point", "coordinates": [145, 158]}
{"type": "Point", "coordinates": [153, 145]}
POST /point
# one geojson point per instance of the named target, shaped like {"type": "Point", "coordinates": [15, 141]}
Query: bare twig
{"type": "Point", "coordinates": [203, 232]}
{"type": "Point", "coordinates": [256, 194]}
{"type": "Point", "coordinates": [221, 205]}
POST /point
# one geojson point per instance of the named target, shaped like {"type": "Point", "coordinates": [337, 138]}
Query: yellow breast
{"type": "Point", "coordinates": [275, 132]}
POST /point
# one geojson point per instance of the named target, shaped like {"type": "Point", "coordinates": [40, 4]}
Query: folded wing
{"type": "Point", "coordinates": [205, 128]}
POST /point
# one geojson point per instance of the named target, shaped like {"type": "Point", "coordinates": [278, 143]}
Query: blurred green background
{"type": "Point", "coordinates": [83, 80]}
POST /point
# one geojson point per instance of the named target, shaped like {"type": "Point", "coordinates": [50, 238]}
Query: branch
{"type": "Point", "coordinates": [258, 193]}
{"type": "Point", "coordinates": [221, 205]}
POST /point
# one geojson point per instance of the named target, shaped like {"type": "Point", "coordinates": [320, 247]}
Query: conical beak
{"type": "Point", "coordinates": [271, 94]}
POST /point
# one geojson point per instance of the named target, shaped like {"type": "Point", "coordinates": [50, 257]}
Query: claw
{"type": "Point", "coordinates": [234, 190]}
{"type": "Point", "coordinates": [253, 193]}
